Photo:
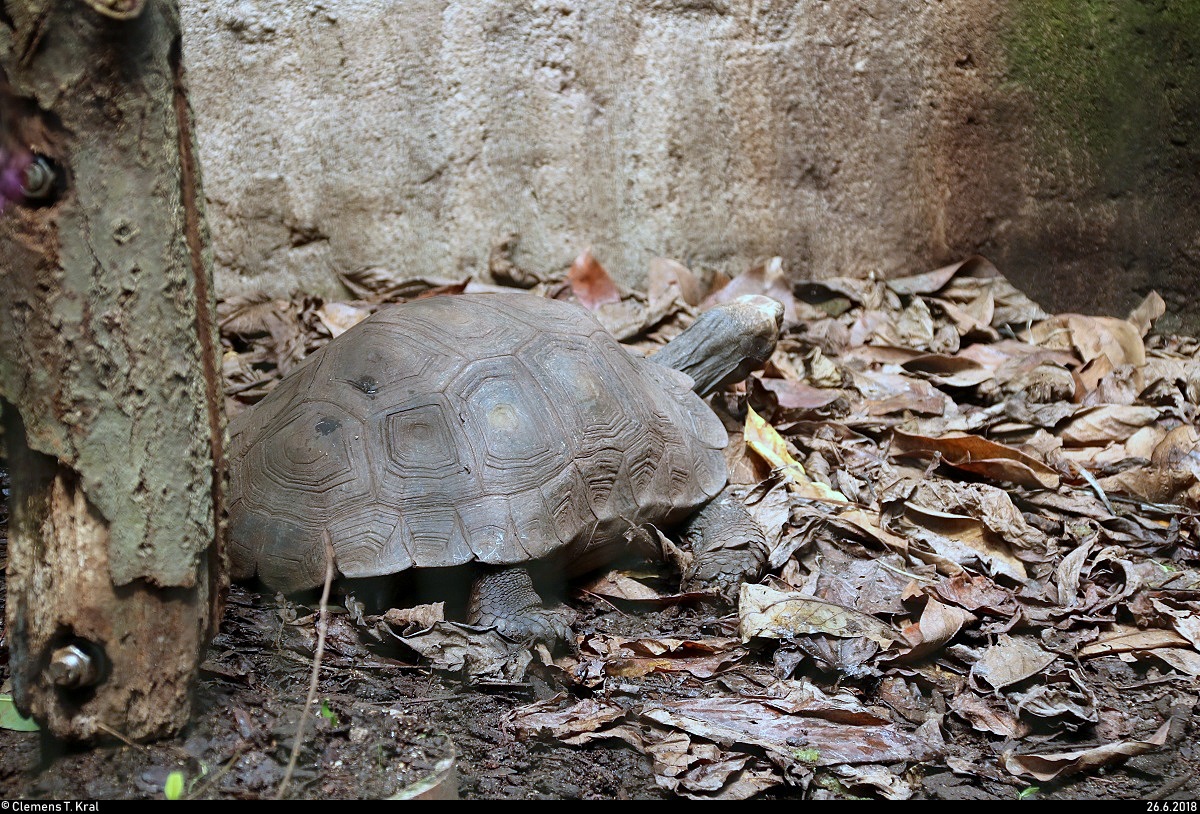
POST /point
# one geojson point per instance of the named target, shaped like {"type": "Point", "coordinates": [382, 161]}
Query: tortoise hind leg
{"type": "Point", "coordinates": [728, 546]}
{"type": "Point", "coordinates": [505, 598]}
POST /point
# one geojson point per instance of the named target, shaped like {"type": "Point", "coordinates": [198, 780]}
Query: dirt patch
{"type": "Point", "coordinates": [384, 725]}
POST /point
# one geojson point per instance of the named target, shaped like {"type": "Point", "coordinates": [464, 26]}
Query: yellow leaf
{"type": "Point", "coordinates": [769, 445]}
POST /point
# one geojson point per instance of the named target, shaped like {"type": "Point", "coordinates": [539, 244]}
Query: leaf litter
{"type": "Point", "coordinates": [983, 574]}
{"type": "Point", "coordinates": [983, 522]}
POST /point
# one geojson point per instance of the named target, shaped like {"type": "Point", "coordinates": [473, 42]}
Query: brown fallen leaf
{"type": "Point", "coordinates": [630, 658]}
{"type": "Point", "coordinates": [980, 456]}
{"type": "Point", "coordinates": [938, 625]}
{"type": "Point", "coordinates": [790, 740]}
{"type": "Point", "coordinates": [986, 717]}
{"type": "Point", "coordinates": [1127, 640]}
{"type": "Point", "coordinates": [1055, 765]}
{"type": "Point", "coordinates": [590, 283]}
{"type": "Point", "coordinates": [1092, 337]}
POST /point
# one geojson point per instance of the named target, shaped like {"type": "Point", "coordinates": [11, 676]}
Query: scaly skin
{"type": "Point", "coordinates": [504, 598]}
{"type": "Point", "coordinates": [729, 547]}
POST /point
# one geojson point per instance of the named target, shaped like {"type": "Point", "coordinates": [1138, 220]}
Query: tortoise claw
{"type": "Point", "coordinates": [506, 600]}
{"type": "Point", "coordinates": [549, 627]}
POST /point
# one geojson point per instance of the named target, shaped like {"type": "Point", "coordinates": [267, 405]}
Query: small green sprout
{"type": "Point", "coordinates": [328, 714]}
{"type": "Point", "coordinates": [173, 789]}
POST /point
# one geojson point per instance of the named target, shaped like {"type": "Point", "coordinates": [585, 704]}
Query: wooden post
{"type": "Point", "coordinates": [109, 371]}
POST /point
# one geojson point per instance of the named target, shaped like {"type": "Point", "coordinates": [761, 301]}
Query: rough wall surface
{"type": "Point", "coordinates": [859, 138]}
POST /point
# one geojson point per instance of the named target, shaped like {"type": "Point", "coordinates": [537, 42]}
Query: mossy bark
{"type": "Point", "coordinates": [109, 371]}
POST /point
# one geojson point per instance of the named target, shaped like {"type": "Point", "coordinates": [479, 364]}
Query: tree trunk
{"type": "Point", "coordinates": [108, 370]}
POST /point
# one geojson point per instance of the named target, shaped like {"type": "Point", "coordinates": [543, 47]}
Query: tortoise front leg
{"type": "Point", "coordinates": [728, 546]}
{"type": "Point", "coordinates": [505, 598]}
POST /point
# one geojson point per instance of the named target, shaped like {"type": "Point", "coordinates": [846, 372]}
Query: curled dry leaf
{"type": "Point", "coordinates": [769, 445]}
{"type": "Point", "coordinates": [1130, 639]}
{"type": "Point", "coordinates": [980, 456]}
{"type": "Point", "coordinates": [630, 658]}
{"type": "Point", "coordinates": [1092, 337]}
{"type": "Point", "coordinates": [1056, 765]}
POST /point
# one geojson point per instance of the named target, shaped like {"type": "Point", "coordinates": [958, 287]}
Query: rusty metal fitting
{"type": "Point", "coordinates": [72, 667]}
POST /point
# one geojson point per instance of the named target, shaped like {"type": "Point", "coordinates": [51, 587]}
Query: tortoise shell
{"type": "Point", "coordinates": [493, 427]}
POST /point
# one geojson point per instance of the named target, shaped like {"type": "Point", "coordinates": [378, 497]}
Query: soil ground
{"type": "Point", "coordinates": [385, 723]}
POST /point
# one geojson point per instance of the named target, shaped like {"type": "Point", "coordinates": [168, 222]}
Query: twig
{"type": "Point", "coordinates": [103, 727]}
{"type": "Point", "coordinates": [203, 788]}
{"type": "Point", "coordinates": [909, 574]}
{"type": "Point", "coordinates": [600, 598]}
{"type": "Point", "coordinates": [322, 627]}
{"type": "Point", "coordinates": [1096, 487]}
{"type": "Point", "coordinates": [1167, 789]}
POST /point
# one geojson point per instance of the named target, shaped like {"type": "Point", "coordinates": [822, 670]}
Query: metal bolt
{"type": "Point", "coordinates": [72, 667]}
{"type": "Point", "coordinates": [39, 180]}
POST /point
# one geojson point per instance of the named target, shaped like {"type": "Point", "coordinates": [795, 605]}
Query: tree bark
{"type": "Point", "coordinates": [109, 372]}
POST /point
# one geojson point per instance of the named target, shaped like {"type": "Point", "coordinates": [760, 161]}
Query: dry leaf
{"type": "Point", "coordinates": [630, 658]}
{"type": "Point", "coordinates": [1010, 660]}
{"type": "Point", "coordinates": [767, 613]}
{"type": "Point", "coordinates": [590, 283]}
{"type": "Point", "coordinates": [1062, 764]}
{"type": "Point", "coordinates": [979, 456]}
{"type": "Point", "coordinates": [1128, 640]}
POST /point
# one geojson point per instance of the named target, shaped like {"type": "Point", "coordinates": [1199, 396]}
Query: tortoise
{"type": "Point", "coordinates": [504, 429]}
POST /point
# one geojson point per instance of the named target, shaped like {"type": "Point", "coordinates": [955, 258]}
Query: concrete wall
{"type": "Point", "coordinates": [849, 137]}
